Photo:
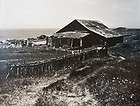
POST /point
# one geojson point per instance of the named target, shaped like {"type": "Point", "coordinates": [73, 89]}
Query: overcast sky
{"type": "Point", "coordinates": [57, 13]}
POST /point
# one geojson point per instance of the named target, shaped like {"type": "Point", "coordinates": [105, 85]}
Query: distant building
{"type": "Point", "coordinates": [127, 31]}
{"type": "Point", "coordinates": [39, 43]}
{"type": "Point", "coordinates": [42, 37]}
{"type": "Point", "coordinates": [121, 30]}
{"type": "Point", "coordinates": [130, 34]}
{"type": "Point", "coordinates": [84, 34]}
{"type": "Point", "coordinates": [14, 43]}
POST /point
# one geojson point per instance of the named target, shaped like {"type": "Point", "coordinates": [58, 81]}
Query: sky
{"type": "Point", "coordinates": [57, 13]}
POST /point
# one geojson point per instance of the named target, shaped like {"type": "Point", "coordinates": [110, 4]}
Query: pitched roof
{"type": "Point", "coordinates": [71, 34]}
{"type": "Point", "coordinates": [99, 28]}
{"type": "Point", "coordinates": [90, 25]}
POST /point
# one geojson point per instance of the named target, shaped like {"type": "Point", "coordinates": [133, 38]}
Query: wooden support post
{"type": "Point", "coordinates": [46, 67]}
{"type": "Point", "coordinates": [17, 69]}
{"type": "Point", "coordinates": [81, 42]}
{"type": "Point", "coordinates": [25, 71]}
{"type": "Point", "coordinates": [71, 43]}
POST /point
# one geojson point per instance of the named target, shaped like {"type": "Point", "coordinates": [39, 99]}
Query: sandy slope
{"type": "Point", "coordinates": [28, 94]}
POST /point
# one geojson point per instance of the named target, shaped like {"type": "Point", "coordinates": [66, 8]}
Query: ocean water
{"type": "Point", "coordinates": [24, 33]}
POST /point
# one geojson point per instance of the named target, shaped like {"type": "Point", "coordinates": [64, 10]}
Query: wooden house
{"type": "Point", "coordinates": [84, 34]}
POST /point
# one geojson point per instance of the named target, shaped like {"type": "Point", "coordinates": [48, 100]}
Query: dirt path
{"type": "Point", "coordinates": [27, 96]}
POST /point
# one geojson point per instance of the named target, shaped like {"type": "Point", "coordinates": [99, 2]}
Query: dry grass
{"type": "Point", "coordinates": [111, 84]}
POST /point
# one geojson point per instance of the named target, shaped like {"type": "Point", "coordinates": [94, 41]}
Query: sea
{"type": "Point", "coordinates": [9, 34]}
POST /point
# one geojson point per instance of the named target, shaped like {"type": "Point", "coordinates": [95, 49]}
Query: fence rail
{"type": "Point", "coordinates": [53, 65]}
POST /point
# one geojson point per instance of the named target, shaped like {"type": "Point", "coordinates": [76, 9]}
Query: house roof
{"type": "Point", "coordinates": [71, 34]}
{"type": "Point", "coordinates": [98, 27]}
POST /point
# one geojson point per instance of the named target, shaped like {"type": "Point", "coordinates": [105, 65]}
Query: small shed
{"type": "Point", "coordinates": [84, 34]}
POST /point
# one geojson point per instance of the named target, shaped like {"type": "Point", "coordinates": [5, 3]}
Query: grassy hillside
{"type": "Point", "coordinates": [108, 81]}
{"type": "Point", "coordinates": [113, 80]}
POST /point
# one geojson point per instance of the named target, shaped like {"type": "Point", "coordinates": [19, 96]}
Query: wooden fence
{"type": "Point", "coordinates": [53, 65]}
